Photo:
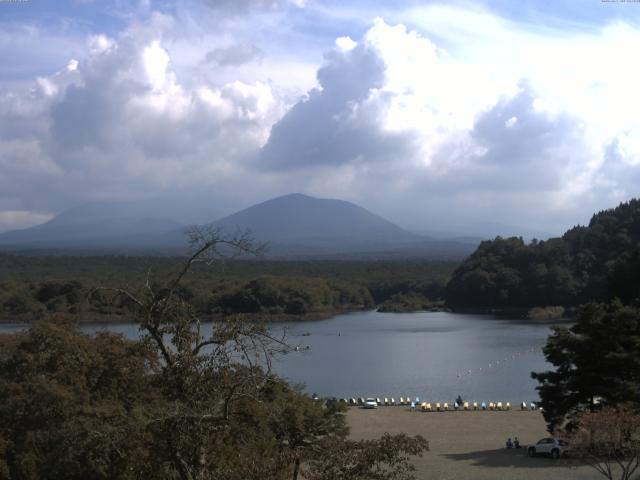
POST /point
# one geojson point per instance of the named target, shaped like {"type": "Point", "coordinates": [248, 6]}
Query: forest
{"type": "Point", "coordinates": [597, 262]}
{"type": "Point", "coordinates": [33, 286]}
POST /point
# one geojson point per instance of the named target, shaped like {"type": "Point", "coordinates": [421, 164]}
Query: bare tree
{"type": "Point", "coordinates": [205, 367]}
{"type": "Point", "coordinates": [216, 388]}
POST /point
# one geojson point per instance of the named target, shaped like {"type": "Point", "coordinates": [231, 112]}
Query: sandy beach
{"type": "Point", "coordinates": [470, 445]}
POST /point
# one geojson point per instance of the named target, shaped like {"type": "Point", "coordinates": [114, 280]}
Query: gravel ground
{"type": "Point", "coordinates": [470, 445]}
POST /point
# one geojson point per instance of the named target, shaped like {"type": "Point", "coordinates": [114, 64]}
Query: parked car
{"type": "Point", "coordinates": [549, 446]}
{"type": "Point", "coordinates": [370, 403]}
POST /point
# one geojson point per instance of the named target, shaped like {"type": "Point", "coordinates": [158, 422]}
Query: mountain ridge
{"type": "Point", "coordinates": [294, 225]}
{"type": "Point", "coordinates": [301, 216]}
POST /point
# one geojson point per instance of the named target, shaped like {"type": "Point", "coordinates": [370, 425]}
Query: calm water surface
{"type": "Point", "coordinates": [435, 356]}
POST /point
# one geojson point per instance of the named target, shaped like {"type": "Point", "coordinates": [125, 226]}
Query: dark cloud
{"type": "Point", "coordinates": [516, 134]}
{"type": "Point", "coordinates": [619, 174]}
{"type": "Point", "coordinates": [513, 147]}
{"type": "Point", "coordinates": [234, 55]}
{"type": "Point", "coordinates": [340, 122]}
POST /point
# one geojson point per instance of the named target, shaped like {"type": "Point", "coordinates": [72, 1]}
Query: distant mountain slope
{"type": "Point", "coordinates": [111, 224]}
{"type": "Point", "coordinates": [300, 226]}
{"type": "Point", "coordinates": [295, 226]}
{"type": "Point", "coordinates": [301, 218]}
{"type": "Point", "coordinates": [101, 232]}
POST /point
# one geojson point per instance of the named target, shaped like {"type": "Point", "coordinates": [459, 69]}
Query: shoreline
{"type": "Point", "coordinates": [87, 318]}
{"type": "Point", "coordinates": [92, 317]}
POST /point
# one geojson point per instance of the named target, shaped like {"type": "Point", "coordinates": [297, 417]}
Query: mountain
{"type": "Point", "coordinates": [299, 217]}
{"type": "Point", "coordinates": [294, 226]}
{"type": "Point", "coordinates": [298, 225]}
{"type": "Point", "coordinates": [112, 224]}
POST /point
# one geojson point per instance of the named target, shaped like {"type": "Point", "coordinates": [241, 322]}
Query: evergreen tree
{"type": "Point", "coordinates": [595, 360]}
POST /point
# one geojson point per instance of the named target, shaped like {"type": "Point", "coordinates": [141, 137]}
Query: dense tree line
{"type": "Point", "coordinates": [290, 296]}
{"type": "Point", "coordinates": [593, 263]}
{"type": "Point", "coordinates": [32, 287]}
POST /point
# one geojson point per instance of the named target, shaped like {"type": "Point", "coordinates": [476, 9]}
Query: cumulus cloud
{"type": "Point", "coordinates": [394, 99]}
{"type": "Point", "coordinates": [619, 175]}
{"type": "Point", "coordinates": [478, 118]}
{"type": "Point", "coordinates": [523, 148]}
{"type": "Point", "coordinates": [341, 121]}
{"type": "Point", "coordinates": [395, 113]}
{"type": "Point", "coordinates": [130, 110]}
{"type": "Point", "coordinates": [118, 119]}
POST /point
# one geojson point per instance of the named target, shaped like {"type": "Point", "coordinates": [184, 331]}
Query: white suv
{"type": "Point", "coordinates": [549, 446]}
{"type": "Point", "coordinates": [370, 403]}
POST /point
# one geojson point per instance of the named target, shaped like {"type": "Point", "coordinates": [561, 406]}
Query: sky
{"type": "Point", "coordinates": [440, 116]}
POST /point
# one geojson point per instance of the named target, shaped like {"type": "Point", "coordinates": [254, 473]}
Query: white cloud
{"type": "Point", "coordinates": [48, 87]}
{"type": "Point", "coordinates": [433, 109]}
{"type": "Point", "coordinates": [122, 118]}
{"type": "Point", "coordinates": [346, 43]}
{"type": "Point", "coordinates": [99, 43]}
{"type": "Point", "coordinates": [398, 114]}
{"type": "Point", "coordinates": [72, 65]}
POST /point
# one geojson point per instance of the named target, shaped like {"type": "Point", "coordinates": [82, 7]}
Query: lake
{"type": "Point", "coordinates": [433, 355]}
